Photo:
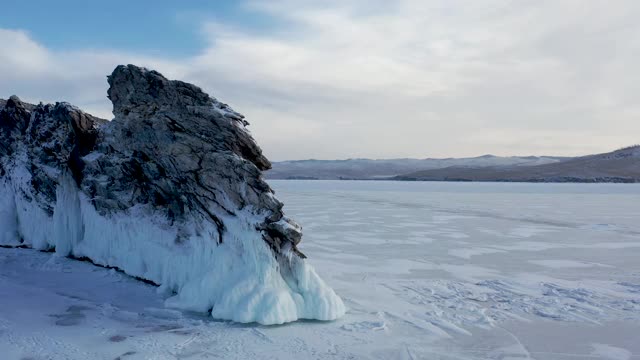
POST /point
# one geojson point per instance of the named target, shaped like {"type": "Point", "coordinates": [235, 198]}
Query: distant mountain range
{"type": "Point", "coordinates": [618, 166]}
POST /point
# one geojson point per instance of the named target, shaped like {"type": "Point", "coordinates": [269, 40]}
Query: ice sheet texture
{"type": "Point", "coordinates": [392, 251]}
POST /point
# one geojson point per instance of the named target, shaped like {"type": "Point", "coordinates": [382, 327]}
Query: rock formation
{"type": "Point", "coordinates": [170, 190]}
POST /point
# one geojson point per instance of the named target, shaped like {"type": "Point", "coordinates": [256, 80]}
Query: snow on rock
{"type": "Point", "coordinates": [170, 191]}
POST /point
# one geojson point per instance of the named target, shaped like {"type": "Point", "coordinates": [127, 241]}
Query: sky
{"type": "Point", "coordinates": [356, 79]}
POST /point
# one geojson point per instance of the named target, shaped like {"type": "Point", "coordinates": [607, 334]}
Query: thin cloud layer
{"type": "Point", "coordinates": [410, 79]}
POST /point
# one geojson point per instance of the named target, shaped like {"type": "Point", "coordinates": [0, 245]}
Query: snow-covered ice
{"type": "Point", "coordinates": [426, 270]}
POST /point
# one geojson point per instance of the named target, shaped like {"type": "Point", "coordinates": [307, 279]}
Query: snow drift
{"type": "Point", "coordinates": [170, 191]}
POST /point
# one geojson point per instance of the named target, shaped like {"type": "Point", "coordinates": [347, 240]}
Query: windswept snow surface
{"type": "Point", "coordinates": [426, 270]}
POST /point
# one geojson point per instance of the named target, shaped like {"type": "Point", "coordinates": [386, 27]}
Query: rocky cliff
{"type": "Point", "coordinates": [170, 190]}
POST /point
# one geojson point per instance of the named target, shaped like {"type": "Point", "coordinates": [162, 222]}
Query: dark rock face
{"type": "Point", "coordinates": [170, 146]}
{"type": "Point", "coordinates": [52, 138]}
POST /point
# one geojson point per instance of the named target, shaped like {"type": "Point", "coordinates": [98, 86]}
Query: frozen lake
{"type": "Point", "coordinates": [427, 270]}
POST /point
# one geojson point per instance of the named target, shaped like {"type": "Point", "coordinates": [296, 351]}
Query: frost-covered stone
{"type": "Point", "coordinates": [170, 190]}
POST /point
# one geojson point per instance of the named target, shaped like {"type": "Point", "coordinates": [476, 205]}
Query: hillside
{"type": "Point", "coordinates": [618, 166]}
{"type": "Point", "coordinates": [371, 169]}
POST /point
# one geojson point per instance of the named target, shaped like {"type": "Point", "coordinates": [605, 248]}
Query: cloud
{"type": "Point", "coordinates": [36, 73]}
{"type": "Point", "coordinates": [391, 79]}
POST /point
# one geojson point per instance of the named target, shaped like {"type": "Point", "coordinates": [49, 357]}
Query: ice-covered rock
{"type": "Point", "coordinates": [170, 190]}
